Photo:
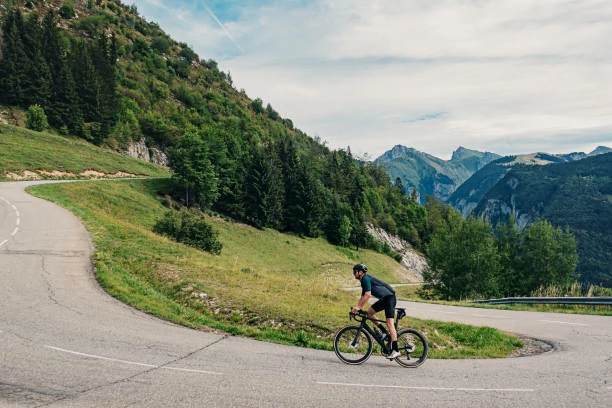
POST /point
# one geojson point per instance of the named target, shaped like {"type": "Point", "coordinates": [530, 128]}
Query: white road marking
{"type": "Point", "coordinates": [560, 322]}
{"type": "Point", "coordinates": [115, 360]}
{"type": "Point", "coordinates": [429, 388]}
{"type": "Point", "coordinates": [491, 316]}
{"type": "Point", "coordinates": [17, 221]}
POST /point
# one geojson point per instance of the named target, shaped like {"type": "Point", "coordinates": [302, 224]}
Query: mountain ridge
{"type": "Point", "coordinates": [468, 195]}
{"type": "Point", "coordinates": [430, 175]}
{"type": "Point", "coordinates": [575, 194]}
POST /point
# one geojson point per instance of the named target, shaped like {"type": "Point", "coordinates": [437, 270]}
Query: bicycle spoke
{"type": "Point", "coordinates": [352, 345]}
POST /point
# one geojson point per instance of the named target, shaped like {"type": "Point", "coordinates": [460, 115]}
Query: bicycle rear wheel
{"type": "Point", "coordinates": [353, 345]}
{"type": "Point", "coordinates": [413, 348]}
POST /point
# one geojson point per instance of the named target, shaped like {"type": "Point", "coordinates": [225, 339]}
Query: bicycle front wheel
{"type": "Point", "coordinates": [413, 348]}
{"type": "Point", "coordinates": [353, 345]}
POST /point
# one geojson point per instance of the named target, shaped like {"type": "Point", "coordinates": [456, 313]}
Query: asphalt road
{"type": "Point", "coordinates": [65, 343]}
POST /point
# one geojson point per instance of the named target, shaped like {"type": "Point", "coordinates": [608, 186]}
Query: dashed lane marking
{"type": "Point", "coordinates": [115, 360]}
{"type": "Point", "coordinates": [404, 387]}
{"type": "Point", "coordinates": [561, 322]}
{"type": "Point", "coordinates": [17, 221]}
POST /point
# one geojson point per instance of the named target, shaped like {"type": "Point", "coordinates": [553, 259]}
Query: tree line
{"type": "Point", "coordinates": [72, 80]}
{"type": "Point", "coordinates": [470, 258]}
{"type": "Point", "coordinates": [234, 156]}
{"type": "Point", "coordinates": [290, 184]}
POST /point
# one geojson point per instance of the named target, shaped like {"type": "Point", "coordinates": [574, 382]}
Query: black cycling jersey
{"type": "Point", "coordinates": [378, 288]}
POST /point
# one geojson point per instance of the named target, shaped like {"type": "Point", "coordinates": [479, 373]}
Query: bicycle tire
{"type": "Point", "coordinates": [347, 350]}
{"type": "Point", "coordinates": [415, 357]}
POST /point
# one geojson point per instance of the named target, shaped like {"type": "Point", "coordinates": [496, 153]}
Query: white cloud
{"type": "Point", "coordinates": [509, 76]}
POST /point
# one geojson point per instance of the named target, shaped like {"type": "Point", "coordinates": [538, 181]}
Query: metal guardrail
{"type": "Point", "coordinates": [592, 300]}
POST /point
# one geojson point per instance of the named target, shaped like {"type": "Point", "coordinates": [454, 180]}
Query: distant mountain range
{"type": "Point", "coordinates": [569, 190]}
{"type": "Point", "coordinates": [469, 194]}
{"type": "Point", "coordinates": [576, 194]}
{"type": "Point", "coordinates": [463, 180]}
{"type": "Point", "coordinates": [430, 175]}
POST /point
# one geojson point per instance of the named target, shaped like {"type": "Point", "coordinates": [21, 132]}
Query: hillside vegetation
{"type": "Point", "coordinates": [577, 195]}
{"type": "Point", "coordinates": [264, 284]}
{"type": "Point", "coordinates": [469, 194]}
{"type": "Point", "coordinates": [98, 71]}
{"type": "Point", "coordinates": [227, 152]}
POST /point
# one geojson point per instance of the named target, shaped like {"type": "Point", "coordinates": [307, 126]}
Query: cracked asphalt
{"type": "Point", "coordinates": [65, 343]}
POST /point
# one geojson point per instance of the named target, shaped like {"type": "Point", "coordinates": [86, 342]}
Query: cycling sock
{"type": "Point", "coordinates": [394, 346]}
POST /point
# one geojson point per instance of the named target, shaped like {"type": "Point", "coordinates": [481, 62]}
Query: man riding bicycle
{"type": "Point", "coordinates": [371, 286]}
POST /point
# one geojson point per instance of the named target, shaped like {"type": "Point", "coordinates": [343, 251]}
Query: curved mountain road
{"type": "Point", "coordinates": [65, 343]}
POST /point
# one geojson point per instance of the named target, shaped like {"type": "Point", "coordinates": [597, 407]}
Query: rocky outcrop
{"type": "Point", "coordinates": [411, 259]}
{"type": "Point", "coordinates": [141, 151]}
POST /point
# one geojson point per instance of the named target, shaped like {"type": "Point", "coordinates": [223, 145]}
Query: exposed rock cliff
{"type": "Point", "coordinates": [150, 154]}
{"type": "Point", "coordinates": [410, 258]}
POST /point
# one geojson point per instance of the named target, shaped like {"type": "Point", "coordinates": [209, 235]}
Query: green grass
{"type": "Point", "coordinates": [25, 150]}
{"type": "Point", "coordinates": [265, 285]}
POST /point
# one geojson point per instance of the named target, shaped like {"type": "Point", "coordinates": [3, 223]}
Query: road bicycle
{"type": "Point", "coordinates": [353, 344]}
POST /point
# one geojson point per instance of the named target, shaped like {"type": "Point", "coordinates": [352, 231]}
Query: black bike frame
{"type": "Point", "coordinates": [364, 326]}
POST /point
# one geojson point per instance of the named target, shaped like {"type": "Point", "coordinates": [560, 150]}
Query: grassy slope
{"type": "Point", "coordinates": [22, 149]}
{"type": "Point", "coordinates": [265, 284]}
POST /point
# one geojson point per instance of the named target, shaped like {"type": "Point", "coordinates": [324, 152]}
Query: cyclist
{"type": "Point", "coordinates": [371, 286]}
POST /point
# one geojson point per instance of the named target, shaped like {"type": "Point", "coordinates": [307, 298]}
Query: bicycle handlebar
{"type": "Point", "coordinates": [400, 314]}
{"type": "Point", "coordinates": [359, 316]}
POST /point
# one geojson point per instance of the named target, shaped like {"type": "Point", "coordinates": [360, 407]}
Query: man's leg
{"type": "Point", "coordinates": [391, 327]}
{"type": "Point", "coordinates": [371, 313]}
{"type": "Point", "coordinates": [389, 313]}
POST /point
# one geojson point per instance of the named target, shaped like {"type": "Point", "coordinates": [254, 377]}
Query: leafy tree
{"type": "Point", "coordinates": [160, 44]}
{"type": "Point", "coordinates": [344, 230]}
{"type": "Point", "coordinates": [336, 226]}
{"type": "Point", "coordinates": [36, 118]}
{"type": "Point", "coordinates": [511, 280]}
{"type": "Point", "coordinates": [463, 258]}
{"type": "Point", "coordinates": [192, 171]}
{"type": "Point", "coordinates": [67, 10]}
{"type": "Point", "coordinates": [549, 255]}
{"type": "Point", "coordinates": [257, 106]}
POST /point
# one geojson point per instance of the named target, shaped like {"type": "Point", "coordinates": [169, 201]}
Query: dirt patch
{"type": "Point", "coordinates": [26, 175]}
{"type": "Point", "coordinates": [55, 174]}
{"type": "Point", "coordinates": [63, 175]}
{"type": "Point", "coordinates": [532, 347]}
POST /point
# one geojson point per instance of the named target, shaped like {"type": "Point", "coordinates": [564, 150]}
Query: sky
{"type": "Point", "coordinates": [502, 76]}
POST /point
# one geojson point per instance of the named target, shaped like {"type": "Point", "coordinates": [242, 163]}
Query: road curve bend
{"type": "Point", "coordinates": [65, 343]}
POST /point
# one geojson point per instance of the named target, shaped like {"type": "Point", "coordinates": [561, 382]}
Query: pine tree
{"type": "Point", "coordinates": [14, 60]}
{"type": "Point", "coordinates": [265, 188]}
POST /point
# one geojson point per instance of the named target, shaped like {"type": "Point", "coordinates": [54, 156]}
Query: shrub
{"type": "Point", "coordinates": [36, 119]}
{"type": "Point", "coordinates": [67, 10]}
{"type": "Point", "coordinates": [160, 44]}
{"type": "Point", "coordinates": [190, 228]}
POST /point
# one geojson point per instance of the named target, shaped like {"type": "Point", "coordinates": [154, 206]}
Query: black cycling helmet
{"type": "Point", "coordinates": [360, 267]}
